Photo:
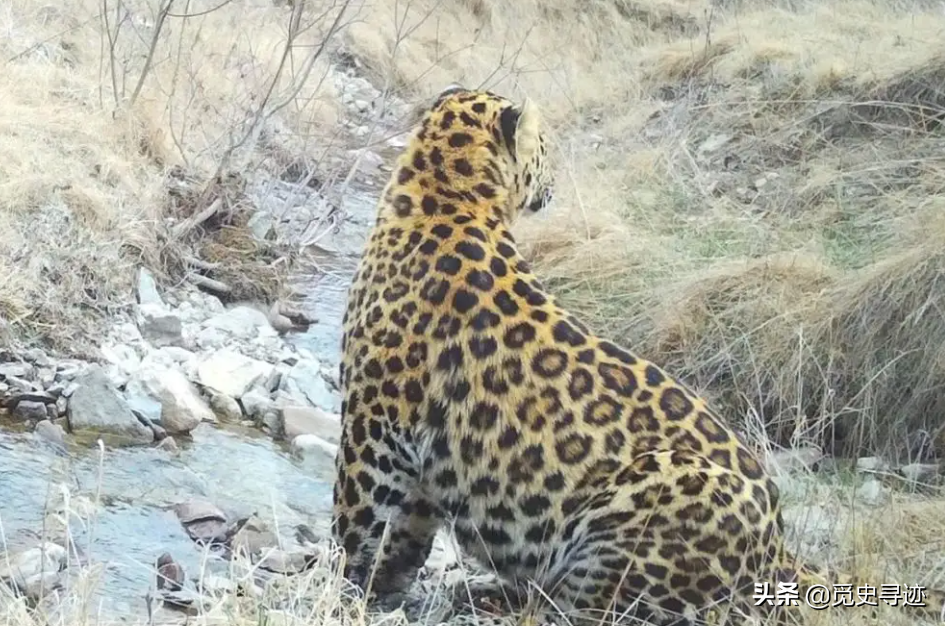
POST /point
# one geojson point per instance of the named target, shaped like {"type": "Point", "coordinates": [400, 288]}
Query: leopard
{"type": "Point", "coordinates": [472, 400]}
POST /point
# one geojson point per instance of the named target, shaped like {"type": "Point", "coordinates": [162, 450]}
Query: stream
{"type": "Point", "coordinates": [240, 470]}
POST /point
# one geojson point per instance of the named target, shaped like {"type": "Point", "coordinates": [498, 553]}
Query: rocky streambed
{"type": "Point", "coordinates": [206, 436]}
{"type": "Point", "coordinates": [206, 432]}
{"type": "Point", "coordinates": [218, 428]}
{"type": "Point", "coordinates": [227, 421]}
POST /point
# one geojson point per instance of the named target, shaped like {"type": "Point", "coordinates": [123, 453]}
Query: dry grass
{"type": "Point", "coordinates": [102, 103]}
{"type": "Point", "coordinates": [749, 192]}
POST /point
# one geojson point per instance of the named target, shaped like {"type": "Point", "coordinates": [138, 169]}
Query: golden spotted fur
{"type": "Point", "coordinates": [470, 396]}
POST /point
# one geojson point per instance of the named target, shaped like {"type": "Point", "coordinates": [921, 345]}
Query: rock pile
{"type": "Point", "coordinates": [172, 368]}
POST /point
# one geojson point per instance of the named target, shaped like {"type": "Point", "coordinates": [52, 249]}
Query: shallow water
{"type": "Point", "coordinates": [326, 287]}
{"type": "Point", "coordinates": [241, 471]}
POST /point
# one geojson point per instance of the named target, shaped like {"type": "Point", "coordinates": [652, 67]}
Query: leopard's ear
{"type": "Point", "coordinates": [528, 134]}
{"type": "Point", "coordinates": [521, 129]}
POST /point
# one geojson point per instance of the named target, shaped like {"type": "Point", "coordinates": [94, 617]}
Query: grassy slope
{"type": "Point", "coordinates": [749, 193]}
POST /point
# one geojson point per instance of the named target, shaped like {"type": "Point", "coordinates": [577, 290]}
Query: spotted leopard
{"type": "Point", "coordinates": [471, 397]}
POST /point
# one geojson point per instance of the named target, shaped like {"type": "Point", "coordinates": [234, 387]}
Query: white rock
{"type": "Point", "coordinates": [210, 338]}
{"type": "Point", "coordinates": [279, 322]}
{"type": "Point", "coordinates": [126, 332]}
{"type": "Point", "coordinates": [178, 354]}
{"type": "Point", "coordinates": [206, 301]}
{"type": "Point", "coordinates": [309, 444]}
{"type": "Point", "coordinates": [68, 371]}
{"type": "Point", "coordinates": [159, 433]}
{"type": "Point", "coordinates": [216, 585]}
{"type": "Point", "coordinates": [141, 400]}
{"type": "Point", "coordinates": [370, 159]}
{"type": "Point", "coordinates": [305, 353]}
{"type": "Point", "coordinates": [116, 375]}
{"type": "Point", "coordinates": [288, 357]}
{"type": "Point", "coordinates": [122, 356]}
{"type": "Point", "coordinates": [305, 382]}
{"type": "Point", "coordinates": [784, 462]}
{"type": "Point", "coordinates": [229, 372]}
{"type": "Point", "coordinates": [256, 402]}
{"type": "Point", "coordinates": [182, 408]}
{"type": "Point", "coordinates": [919, 472]}
{"type": "Point", "coordinates": [240, 321]}
{"type": "Point", "coordinates": [813, 526]}
{"type": "Point", "coordinates": [268, 336]}
{"type": "Point", "coordinates": [279, 372]}
{"type": "Point", "coordinates": [50, 432]}
{"type": "Point", "coordinates": [187, 312]}
{"type": "Point", "coordinates": [159, 326]}
{"type": "Point", "coordinates": [871, 464]}
{"type": "Point", "coordinates": [46, 377]}
{"type": "Point", "coordinates": [42, 585]}
{"type": "Point", "coordinates": [157, 359]}
{"type": "Point", "coordinates": [20, 568]}
{"type": "Point", "coordinates": [226, 407]}
{"type": "Point", "coordinates": [260, 224]}
{"type": "Point", "coordinates": [871, 491]}
{"type": "Point", "coordinates": [360, 85]}
{"type": "Point", "coordinates": [30, 411]}
{"type": "Point", "coordinates": [397, 141]}
{"type": "Point", "coordinates": [147, 288]}
{"type": "Point", "coordinates": [330, 374]}
{"type": "Point", "coordinates": [271, 422]}
{"type": "Point", "coordinates": [303, 420]}
{"type": "Point", "coordinates": [16, 370]}
{"type": "Point", "coordinates": [168, 445]}
{"type": "Point", "coordinates": [37, 357]}
{"type": "Point", "coordinates": [97, 408]}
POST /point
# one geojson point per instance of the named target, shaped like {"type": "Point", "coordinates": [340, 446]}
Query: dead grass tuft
{"type": "Point", "coordinates": [885, 332]}
{"type": "Point", "coordinates": [736, 330]}
{"type": "Point", "coordinates": [847, 360]}
{"type": "Point", "coordinates": [214, 243]}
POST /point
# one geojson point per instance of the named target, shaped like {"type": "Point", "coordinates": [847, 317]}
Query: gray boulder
{"type": "Point", "coordinates": [96, 409]}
